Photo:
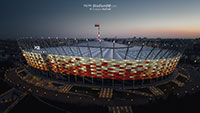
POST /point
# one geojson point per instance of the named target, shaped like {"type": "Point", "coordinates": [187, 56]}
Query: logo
{"type": "Point", "coordinates": [37, 47]}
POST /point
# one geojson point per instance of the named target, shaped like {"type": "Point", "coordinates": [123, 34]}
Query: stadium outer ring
{"type": "Point", "coordinates": [107, 72]}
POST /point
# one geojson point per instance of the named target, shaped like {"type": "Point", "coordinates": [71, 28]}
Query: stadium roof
{"type": "Point", "coordinates": [93, 49]}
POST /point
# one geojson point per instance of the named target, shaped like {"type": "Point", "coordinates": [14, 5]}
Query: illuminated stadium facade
{"type": "Point", "coordinates": [108, 62]}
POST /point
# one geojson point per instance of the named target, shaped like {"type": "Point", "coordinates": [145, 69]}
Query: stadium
{"type": "Point", "coordinates": [103, 63]}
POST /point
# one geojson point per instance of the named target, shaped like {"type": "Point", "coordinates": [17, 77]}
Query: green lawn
{"type": "Point", "coordinates": [86, 90]}
{"type": "Point", "coordinates": [124, 95]}
{"type": "Point", "coordinates": [181, 79]}
{"type": "Point", "coordinates": [146, 90]}
{"type": "Point", "coordinates": [168, 87]}
{"type": "Point", "coordinates": [23, 73]}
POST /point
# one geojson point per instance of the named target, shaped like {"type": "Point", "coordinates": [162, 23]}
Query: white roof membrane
{"type": "Point", "coordinates": [119, 51]}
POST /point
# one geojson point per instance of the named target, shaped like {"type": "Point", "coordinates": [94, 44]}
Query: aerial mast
{"type": "Point", "coordinates": [98, 34]}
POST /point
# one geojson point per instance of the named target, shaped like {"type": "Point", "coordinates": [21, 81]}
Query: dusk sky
{"type": "Point", "coordinates": [140, 18]}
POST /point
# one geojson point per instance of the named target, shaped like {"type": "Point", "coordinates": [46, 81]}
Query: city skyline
{"type": "Point", "coordinates": [140, 18]}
